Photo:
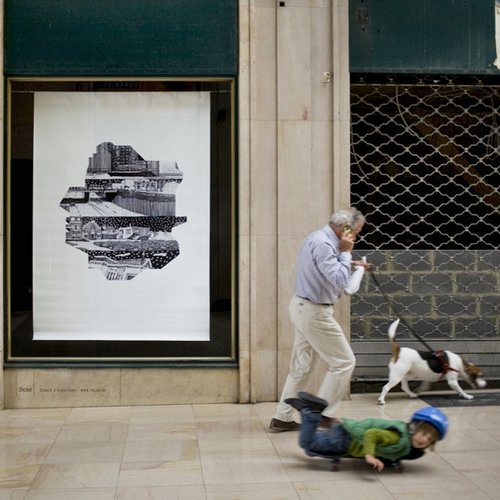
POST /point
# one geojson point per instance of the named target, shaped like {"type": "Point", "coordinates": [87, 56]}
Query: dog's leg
{"type": "Point", "coordinates": [424, 386]}
{"type": "Point", "coordinates": [452, 380]}
{"type": "Point", "coordinates": [393, 382]}
{"type": "Point", "coordinates": [406, 388]}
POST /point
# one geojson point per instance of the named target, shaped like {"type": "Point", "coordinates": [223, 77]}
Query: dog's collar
{"type": "Point", "coordinates": [442, 357]}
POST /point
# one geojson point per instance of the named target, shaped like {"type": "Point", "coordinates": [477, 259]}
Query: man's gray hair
{"type": "Point", "coordinates": [350, 216]}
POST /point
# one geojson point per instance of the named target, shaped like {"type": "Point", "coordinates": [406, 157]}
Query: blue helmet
{"type": "Point", "coordinates": [432, 416]}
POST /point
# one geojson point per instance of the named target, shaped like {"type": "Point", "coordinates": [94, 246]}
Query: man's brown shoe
{"type": "Point", "coordinates": [281, 426]}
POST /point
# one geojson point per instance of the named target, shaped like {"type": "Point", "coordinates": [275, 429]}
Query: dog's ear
{"type": "Point", "coordinates": [471, 369]}
{"type": "Point", "coordinates": [475, 375]}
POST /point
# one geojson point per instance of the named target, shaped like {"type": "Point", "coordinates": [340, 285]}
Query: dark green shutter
{"type": "Point", "coordinates": [422, 36]}
{"type": "Point", "coordinates": [121, 37]}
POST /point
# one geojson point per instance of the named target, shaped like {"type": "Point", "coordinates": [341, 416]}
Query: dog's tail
{"type": "Point", "coordinates": [392, 337]}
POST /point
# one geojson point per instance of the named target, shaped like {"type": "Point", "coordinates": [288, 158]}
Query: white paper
{"type": "Point", "coordinates": [73, 302]}
{"type": "Point", "coordinates": [355, 279]}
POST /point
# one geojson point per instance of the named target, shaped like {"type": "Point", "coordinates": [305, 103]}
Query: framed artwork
{"type": "Point", "coordinates": [120, 218]}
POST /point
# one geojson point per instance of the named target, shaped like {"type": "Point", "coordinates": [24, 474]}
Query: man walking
{"type": "Point", "coordinates": [322, 276]}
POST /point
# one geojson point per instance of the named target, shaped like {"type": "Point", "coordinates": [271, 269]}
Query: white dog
{"type": "Point", "coordinates": [410, 364]}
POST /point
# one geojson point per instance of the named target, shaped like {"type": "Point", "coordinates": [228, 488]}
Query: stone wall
{"type": "Point", "coordinates": [449, 298]}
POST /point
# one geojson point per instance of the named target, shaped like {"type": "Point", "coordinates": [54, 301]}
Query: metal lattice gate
{"type": "Point", "coordinates": [425, 169]}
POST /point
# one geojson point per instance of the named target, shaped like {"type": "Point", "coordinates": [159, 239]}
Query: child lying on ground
{"type": "Point", "coordinates": [377, 440]}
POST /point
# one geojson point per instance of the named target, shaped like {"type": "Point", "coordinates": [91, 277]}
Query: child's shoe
{"type": "Point", "coordinates": [313, 402]}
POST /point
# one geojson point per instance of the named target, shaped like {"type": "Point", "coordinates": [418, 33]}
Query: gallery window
{"type": "Point", "coordinates": [120, 222]}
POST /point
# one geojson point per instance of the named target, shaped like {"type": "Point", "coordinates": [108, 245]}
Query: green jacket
{"type": "Point", "coordinates": [389, 439]}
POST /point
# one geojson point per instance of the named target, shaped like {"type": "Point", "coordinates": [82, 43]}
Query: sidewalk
{"type": "Point", "coordinates": [224, 451]}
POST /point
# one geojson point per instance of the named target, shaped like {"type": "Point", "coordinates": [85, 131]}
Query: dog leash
{"type": "Point", "coordinates": [440, 355]}
{"type": "Point", "coordinates": [410, 329]}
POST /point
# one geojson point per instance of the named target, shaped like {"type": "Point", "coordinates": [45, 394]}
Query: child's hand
{"type": "Point", "coordinates": [374, 462]}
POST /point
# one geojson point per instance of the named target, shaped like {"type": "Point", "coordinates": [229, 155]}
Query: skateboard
{"type": "Point", "coordinates": [335, 461]}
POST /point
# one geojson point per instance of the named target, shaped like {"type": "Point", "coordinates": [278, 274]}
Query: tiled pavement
{"type": "Point", "coordinates": [224, 451]}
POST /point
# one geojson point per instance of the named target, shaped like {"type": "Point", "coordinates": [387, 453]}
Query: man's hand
{"type": "Point", "coordinates": [374, 462]}
{"type": "Point", "coordinates": [361, 263]}
{"type": "Point", "coordinates": [347, 241]}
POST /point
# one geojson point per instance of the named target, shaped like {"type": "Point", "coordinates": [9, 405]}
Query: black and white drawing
{"type": "Point", "coordinates": [124, 215]}
{"type": "Point", "coordinates": [121, 240]}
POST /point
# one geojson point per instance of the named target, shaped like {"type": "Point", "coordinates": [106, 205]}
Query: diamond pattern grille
{"type": "Point", "coordinates": [425, 164]}
{"type": "Point", "coordinates": [425, 169]}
